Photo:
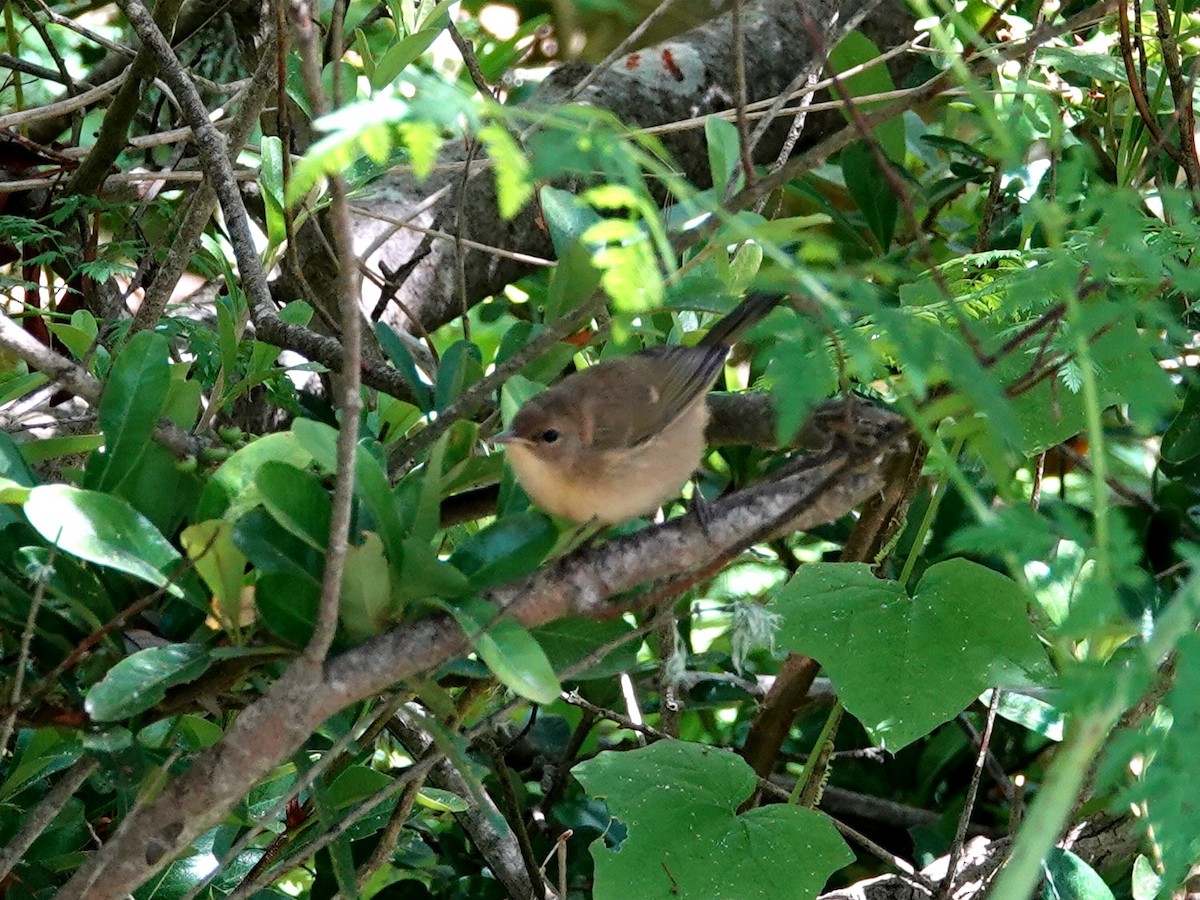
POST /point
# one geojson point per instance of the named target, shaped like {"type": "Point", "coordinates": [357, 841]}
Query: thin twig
{"type": "Point", "coordinates": [964, 820]}
{"type": "Point", "coordinates": [740, 92]}
{"type": "Point", "coordinates": [35, 604]}
{"type": "Point", "coordinates": [44, 813]}
{"type": "Point", "coordinates": [337, 549]}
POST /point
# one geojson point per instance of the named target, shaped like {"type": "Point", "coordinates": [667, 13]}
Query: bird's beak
{"type": "Point", "coordinates": [505, 437]}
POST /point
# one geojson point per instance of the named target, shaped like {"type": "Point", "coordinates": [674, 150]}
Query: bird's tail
{"type": "Point", "coordinates": [749, 312]}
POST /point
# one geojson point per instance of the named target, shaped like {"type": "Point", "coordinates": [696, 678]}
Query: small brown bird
{"type": "Point", "coordinates": [620, 438]}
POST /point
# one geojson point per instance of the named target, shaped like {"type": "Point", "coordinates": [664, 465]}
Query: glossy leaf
{"type": "Point", "coordinates": [133, 399]}
{"type": "Point", "coordinates": [507, 549]}
{"type": "Point", "coordinates": [512, 654]}
{"type": "Point", "coordinates": [231, 492]}
{"type": "Point", "coordinates": [104, 530]}
{"type": "Point", "coordinates": [297, 500]}
{"type": "Point", "coordinates": [140, 681]}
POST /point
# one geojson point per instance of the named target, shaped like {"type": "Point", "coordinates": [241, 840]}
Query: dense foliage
{"type": "Point", "coordinates": [255, 642]}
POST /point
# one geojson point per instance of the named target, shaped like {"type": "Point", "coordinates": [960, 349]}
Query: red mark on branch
{"type": "Point", "coordinates": [671, 66]}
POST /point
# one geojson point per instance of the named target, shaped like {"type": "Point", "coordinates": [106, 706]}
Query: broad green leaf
{"type": "Point", "coordinates": [19, 385]}
{"type": "Point", "coordinates": [567, 218]}
{"type": "Point", "coordinates": [297, 500]}
{"type": "Point", "coordinates": [904, 665]}
{"type": "Point", "coordinates": [231, 492]}
{"type": "Point", "coordinates": [187, 733]}
{"type": "Point", "coordinates": [724, 151]}
{"type": "Point", "coordinates": [1036, 715]}
{"type": "Point", "coordinates": [401, 55]}
{"type": "Point", "coordinates": [427, 517]}
{"type": "Point", "coordinates": [1181, 442]}
{"type": "Point", "coordinates": [161, 490]}
{"type": "Point", "coordinates": [366, 606]}
{"type": "Point", "coordinates": [139, 681]}
{"type": "Point", "coordinates": [12, 463]}
{"type": "Point", "coordinates": [510, 547]}
{"type": "Point", "coordinates": [272, 548]}
{"type": "Point", "coordinates": [678, 802]}
{"type": "Point", "coordinates": [508, 649]}
{"type": "Point", "coordinates": [135, 394]}
{"type": "Point", "coordinates": [288, 605]}
{"type": "Point", "coordinates": [270, 183]}
{"type": "Point", "coordinates": [571, 640]}
{"type": "Point", "coordinates": [104, 530]}
{"type": "Point", "coordinates": [55, 447]}
{"type": "Point", "coordinates": [870, 190]}
{"type": "Point", "coordinates": [1145, 882]}
{"type": "Point", "coordinates": [1069, 878]}
{"type": "Point", "coordinates": [423, 575]}
{"type": "Point", "coordinates": [39, 752]}
{"type": "Point", "coordinates": [853, 50]}
{"type": "Point", "coordinates": [210, 547]}
{"type": "Point", "coordinates": [461, 366]}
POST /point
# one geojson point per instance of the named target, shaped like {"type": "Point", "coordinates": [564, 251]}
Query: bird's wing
{"type": "Point", "coordinates": [654, 387]}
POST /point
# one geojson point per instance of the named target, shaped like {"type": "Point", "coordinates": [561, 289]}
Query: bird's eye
{"type": "Point", "coordinates": [550, 435]}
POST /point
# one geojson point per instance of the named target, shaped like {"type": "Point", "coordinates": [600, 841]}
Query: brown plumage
{"type": "Point", "coordinates": [620, 438]}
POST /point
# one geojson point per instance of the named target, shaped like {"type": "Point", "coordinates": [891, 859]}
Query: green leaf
{"type": "Point", "coordinates": [19, 385]}
{"type": "Point", "coordinates": [1145, 882]}
{"type": "Point", "coordinates": [272, 548]}
{"type": "Point", "coordinates": [508, 649]}
{"type": "Point", "coordinates": [854, 50]}
{"type": "Point", "coordinates": [507, 549]}
{"type": "Point", "coordinates": [724, 151]}
{"type": "Point", "coordinates": [133, 399]}
{"type": "Point", "coordinates": [514, 184]}
{"type": "Point", "coordinates": [297, 500]}
{"type": "Point", "coordinates": [678, 802]}
{"type": "Point", "coordinates": [423, 575]}
{"type": "Point", "coordinates": [1181, 442]}
{"type": "Point", "coordinates": [139, 681]}
{"type": "Point", "coordinates": [12, 463]}
{"type": "Point", "coordinates": [231, 491]}
{"type": "Point", "coordinates": [56, 447]}
{"type": "Point", "coordinates": [569, 641]}
{"type": "Point", "coordinates": [400, 357]}
{"type": "Point", "coordinates": [190, 734]}
{"type": "Point", "coordinates": [442, 801]}
{"type": "Point", "coordinates": [366, 606]}
{"type": "Point", "coordinates": [870, 191]}
{"type": "Point", "coordinates": [39, 752]}
{"type": "Point", "coordinates": [567, 218]}
{"type": "Point", "coordinates": [1036, 715]}
{"type": "Point", "coordinates": [401, 55]}
{"type": "Point", "coordinates": [104, 530]}
{"type": "Point", "coordinates": [427, 517]}
{"type": "Point", "coordinates": [1069, 878]}
{"type": "Point", "coordinates": [888, 653]}
{"type": "Point", "coordinates": [288, 605]}
{"type": "Point", "coordinates": [270, 183]}
{"type": "Point", "coordinates": [211, 549]}
{"type": "Point", "coordinates": [461, 366]}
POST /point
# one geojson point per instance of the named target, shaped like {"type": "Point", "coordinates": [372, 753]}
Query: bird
{"type": "Point", "coordinates": [616, 440]}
